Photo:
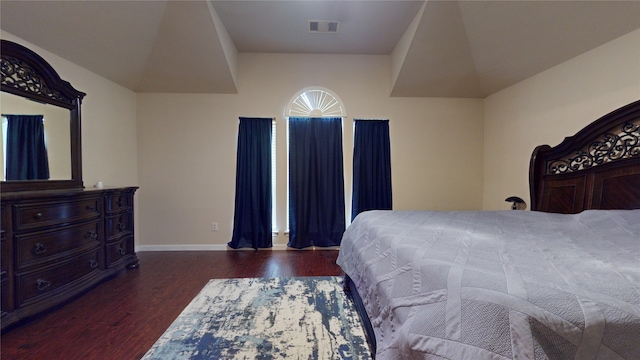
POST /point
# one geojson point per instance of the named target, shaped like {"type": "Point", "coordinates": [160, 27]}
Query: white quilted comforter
{"type": "Point", "coordinates": [498, 284]}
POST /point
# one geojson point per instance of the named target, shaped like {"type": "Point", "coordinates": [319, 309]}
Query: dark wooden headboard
{"type": "Point", "coordinates": [597, 168]}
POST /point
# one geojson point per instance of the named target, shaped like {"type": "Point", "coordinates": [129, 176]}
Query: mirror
{"type": "Point", "coordinates": [56, 133]}
{"type": "Point", "coordinates": [30, 86]}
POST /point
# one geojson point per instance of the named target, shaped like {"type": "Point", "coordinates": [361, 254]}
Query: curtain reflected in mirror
{"type": "Point", "coordinates": [36, 140]}
{"type": "Point", "coordinates": [26, 151]}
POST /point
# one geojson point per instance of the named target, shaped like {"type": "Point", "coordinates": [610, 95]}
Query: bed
{"type": "Point", "coordinates": [559, 282]}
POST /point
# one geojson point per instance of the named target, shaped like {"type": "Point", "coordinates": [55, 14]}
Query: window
{"type": "Point", "coordinates": [313, 101]}
{"type": "Point", "coordinates": [315, 144]}
{"type": "Point", "coordinates": [254, 192]}
{"type": "Point", "coordinates": [274, 224]}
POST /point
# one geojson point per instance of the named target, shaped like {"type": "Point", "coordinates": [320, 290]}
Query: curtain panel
{"type": "Point", "coordinates": [252, 215]}
{"type": "Point", "coordinates": [371, 167]}
{"type": "Point", "coordinates": [26, 150]}
{"type": "Point", "coordinates": [316, 182]}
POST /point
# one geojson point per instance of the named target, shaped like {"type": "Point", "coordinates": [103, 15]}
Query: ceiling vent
{"type": "Point", "coordinates": [323, 26]}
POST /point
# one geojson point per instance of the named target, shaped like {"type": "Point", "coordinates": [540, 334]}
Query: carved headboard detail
{"type": "Point", "coordinates": [622, 144]}
{"type": "Point", "coordinates": [597, 168]}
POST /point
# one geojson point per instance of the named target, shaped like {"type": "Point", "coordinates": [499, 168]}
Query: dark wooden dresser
{"type": "Point", "coordinates": [56, 244]}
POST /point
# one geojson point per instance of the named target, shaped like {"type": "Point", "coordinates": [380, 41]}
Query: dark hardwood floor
{"type": "Point", "coordinates": [123, 317]}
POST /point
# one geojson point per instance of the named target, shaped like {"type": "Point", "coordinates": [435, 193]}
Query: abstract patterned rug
{"type": "Point", "coordinates": [266, 318]}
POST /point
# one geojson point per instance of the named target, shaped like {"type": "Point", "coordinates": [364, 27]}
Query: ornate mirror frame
{"type": "Point", "coordinates": [26, 74]}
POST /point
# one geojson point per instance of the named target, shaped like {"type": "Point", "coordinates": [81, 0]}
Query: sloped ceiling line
{"type": "Point", "coordinates": [229, 48]}
{"type": "Point", "coordinates": [399, 53]}
{"type": "Point", "coordinates": [438, 48]}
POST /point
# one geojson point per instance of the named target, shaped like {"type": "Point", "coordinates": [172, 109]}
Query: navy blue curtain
{"type": "Point", "coordinates": [316, 182]}
{"type": "Point", "coordinates": [26, 151]}
{"type": "Point", "coordinates": [252, 217]}
{"type": "Point", "coordinates": [371, 167]}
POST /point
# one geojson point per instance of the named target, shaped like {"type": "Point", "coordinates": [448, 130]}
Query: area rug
{"type": "Point", "coordinates": [266, 318]}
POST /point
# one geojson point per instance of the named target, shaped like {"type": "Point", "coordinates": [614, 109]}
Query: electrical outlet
{"type": "Point", "coordinates": [214, 226]}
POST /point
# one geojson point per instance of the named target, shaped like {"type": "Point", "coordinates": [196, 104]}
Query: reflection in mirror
{"type": "Point", "coordinates": [33, 83]}
{"type": "Point", "coordinates": [57, 134]}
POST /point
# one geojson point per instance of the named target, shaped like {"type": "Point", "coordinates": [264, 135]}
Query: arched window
{"type": "Point", "coordinates": [315, 101]}
{"type": "Point", "coordinates": [315, 190]}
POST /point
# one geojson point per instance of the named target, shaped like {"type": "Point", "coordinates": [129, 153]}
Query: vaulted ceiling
{"type": "Point", "coordinates": [437, 48]}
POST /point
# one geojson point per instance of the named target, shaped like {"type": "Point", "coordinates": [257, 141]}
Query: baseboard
{"type": "Point", "coordinates": [220, 247]}
{"type": "Point", "coordinates": [199, 247]}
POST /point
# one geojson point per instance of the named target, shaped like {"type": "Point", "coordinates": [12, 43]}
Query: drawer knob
{"type": "Point", "coordinates": [121, 250]}
{"type": "Point", "coordinates": [92, 234]}
{"type": "Point", "coordinates": [121, 226]}
{"type": "Point", "coordinates": [91, 207]}
{"type": "Point", "coordinates": [93, 263]}
{"type": "Point", "coordinates": [39, 249]}
{"type": "Point", "coordinates": [42, 284]}
{"type": "Point", "coordinates": [37, 216]}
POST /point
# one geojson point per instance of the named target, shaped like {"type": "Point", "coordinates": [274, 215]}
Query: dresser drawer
{"type": "Point", "coordinates": [57, 243]}
{"type": "Point", "coordinates": [35, 215]}
{"type": "Point", "coordinates": [4, 249]}
{"type": "Point", "coordinates": [119, 226]}
{"type": "Point", "coordinates": [4, 302]}
{"type": "Point", "coordinates": [4, 219]}
{"type": "Point", "coordinates": [4, 257]}
{"type": "Point", "coordinates": [55, 280]}
{"type": "Point", "coordinates": [118, 202]}
{"type": "Point", "coordinates": [119, 250]}
{"type": "Point", "coordinates": [38, 248]}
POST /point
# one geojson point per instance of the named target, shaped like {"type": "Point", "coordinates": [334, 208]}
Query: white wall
{"type": "Point", "coordinates": [462, 154]}
{"type": "Point", "coordinates": [187, 144]}
{"type": "Point", "coordinates": [546, 108]}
